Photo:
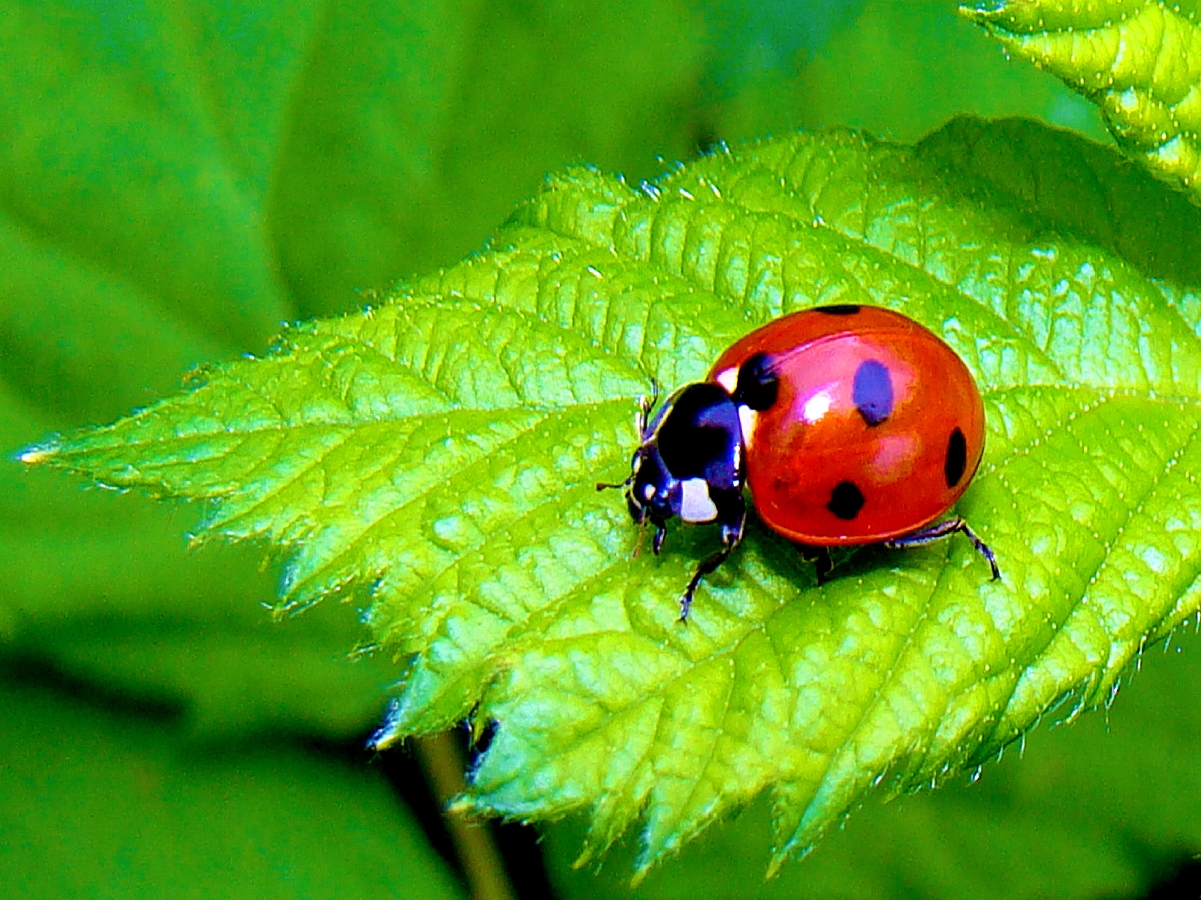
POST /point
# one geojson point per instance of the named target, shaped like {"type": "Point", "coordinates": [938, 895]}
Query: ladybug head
{"type": "Point", "coordinates": [652, 492]}
{"type": "Point", "coordinates": [689, 460]}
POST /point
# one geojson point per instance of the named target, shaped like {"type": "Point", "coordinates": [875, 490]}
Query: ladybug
{"type": "Point", "coordinates": [848, 424]}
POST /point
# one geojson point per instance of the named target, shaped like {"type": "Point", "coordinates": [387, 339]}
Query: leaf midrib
{"type": "Point", "coordinates": [463, 471]}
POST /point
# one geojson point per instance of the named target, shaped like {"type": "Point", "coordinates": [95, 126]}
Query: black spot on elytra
{"type": "Point", "coordinates": [956, 463]}
{"type": "Point", "coordinates": [872, 391]}
{"type": "Point", "coordinates": [839, 309]}
{"type": "Point", "coordinates": [757, 383]}
{"type": "Point", "coordinates": [845, 500]}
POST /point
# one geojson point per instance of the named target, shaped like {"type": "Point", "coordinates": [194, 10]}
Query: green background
{"type": "Point", "coordinates": [178, 180]}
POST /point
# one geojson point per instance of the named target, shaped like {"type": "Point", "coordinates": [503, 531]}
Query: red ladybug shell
{"type": "Point", "coordinates": [876, 429]}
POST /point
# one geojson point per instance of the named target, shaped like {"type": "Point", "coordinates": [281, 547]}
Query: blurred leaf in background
{"type": "Point", "coordinates": [109, 803]}
{"type": "Point", "coordinates": [895, 68]}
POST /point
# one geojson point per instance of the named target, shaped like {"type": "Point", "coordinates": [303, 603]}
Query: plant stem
{"type": "Point", "coordinates": [443, 763]}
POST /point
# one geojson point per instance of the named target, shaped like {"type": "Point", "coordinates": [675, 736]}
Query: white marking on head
{"type": "Point", "coordinates": [648, 492]}
{"type": "Point", "coordinates": [727, 378]}
{"type": "Point", "coordinates": [695, 503]}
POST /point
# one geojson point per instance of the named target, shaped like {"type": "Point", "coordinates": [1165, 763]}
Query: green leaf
{"type": "Point", "coordinates": [1104, 808]}
{"type": "Point", "coordinates": [176, 179]}
{"type": "Point", "coordinates": [439, 452]}
{"type": "Point", "coordinates": [1138, 60]}
{"type": "Point", "coordinates": [105, 804]}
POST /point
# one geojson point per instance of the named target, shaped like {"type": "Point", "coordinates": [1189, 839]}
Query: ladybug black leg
{"type": "Point", "coordinates": [660, 534]}
{"type": "Point", "coordinates": [731, 534]}
{"type": "Point", "coordinates": [940, 530]}
{"type": "Point", "coordinates": [820, 557]}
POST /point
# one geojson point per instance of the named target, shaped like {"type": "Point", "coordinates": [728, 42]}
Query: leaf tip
{"type": "Point", "coordinates": [983, 12]}
{"type": "Point", "coordinates": [388, 731]}
{"type": "Point", "coordinates": [37, 454]}
{"type": "Point", "coordinates": [791, 850]}
{"type": "Point", "coordinates": [587, 855]}
{"type": "Point", "coordinates": [643, 865]}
